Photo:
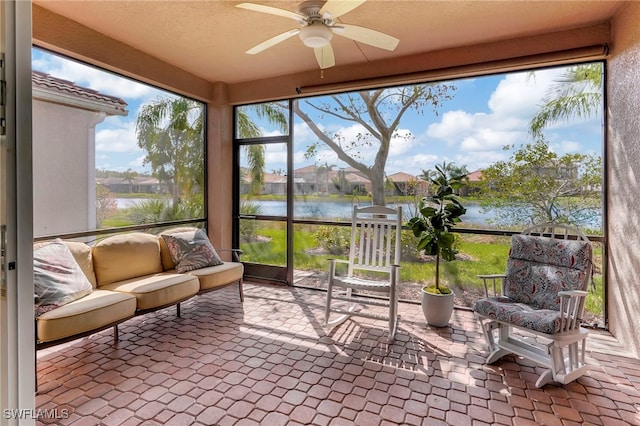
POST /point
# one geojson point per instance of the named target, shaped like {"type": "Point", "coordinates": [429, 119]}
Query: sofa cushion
{"type": "Point", "coordinates": [157, 290]}
{"type": "Point", "coordinates": [216, 276]}
{"type": "Point", "coordinates": [191, 250]}
{"type": "Point", "coordinates": [96, 310]}
{"type": "Point", "coordinates": [122, 257]}
{"type": "Point", "coordinates": [519, 314]}
{"type": "Point", "coordinates": [82, 253]}
{"type": "Point", "coordinates": [57, 277]}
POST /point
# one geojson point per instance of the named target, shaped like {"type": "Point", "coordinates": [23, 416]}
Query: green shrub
{"type": "Point", "coordinates": [248, 227]}
{"type": "Point", "coordinates": [408, 244]}
{"type": "Point", "coordinates": [333, 239]}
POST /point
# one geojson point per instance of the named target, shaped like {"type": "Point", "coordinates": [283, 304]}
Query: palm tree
{"type": "Point", "coordinates": [275, 114]}
{"type": "Point", "coordinates": [170, 130]}
{"type": "Point", "coordinates": [130, 177]}
{"type": "Point", "coordinates": [577, 93]}
{"type": "Point", "coordinates": [323, 170]}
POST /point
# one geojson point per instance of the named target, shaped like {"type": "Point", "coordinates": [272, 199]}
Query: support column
{"type": "Point", "coordinates": [220, 168]}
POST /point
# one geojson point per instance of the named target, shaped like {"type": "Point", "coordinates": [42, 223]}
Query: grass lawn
{"type": "Point", "coordinates": [478, 254]}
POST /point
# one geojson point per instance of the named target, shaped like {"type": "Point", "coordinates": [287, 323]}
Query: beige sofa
{"type": "Point", "coordinates": [131, 274]}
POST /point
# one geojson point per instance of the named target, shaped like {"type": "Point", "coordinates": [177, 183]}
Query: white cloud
{"type": "Point", "coordinates": [479, 137]}
{"type": "Point", "coordinates": [519, 95]}
{"type": "Point", "coordinates": [120, 138]}
{"type": "Point", "coordinates": [402, 142]}
{"type": "Point", "coordinates": [490, 139]}
{"type": "Point", "coordinates": [413, 164]}
{"type": "Point", "coordinates": [275, 156]}
{"type": "Point", "coordinates": [138, 165]}
{"type": "Point", "coordinates": [453, 125]}
{"type": "Point", "coordinates": [567, 147]}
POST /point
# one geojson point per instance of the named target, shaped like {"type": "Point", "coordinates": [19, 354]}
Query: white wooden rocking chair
{"type": "Point", "coordinates": [374, 250]}
{"type": "Point", "coordinates": [543, 294]}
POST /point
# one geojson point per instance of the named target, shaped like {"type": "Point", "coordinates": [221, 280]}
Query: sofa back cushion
{"type": "Point", "coordinates": [540, 267]}
{"type": "Point", "coordinates": [82, 253]}
{"type": "Point", "coordinates": [126, 256]}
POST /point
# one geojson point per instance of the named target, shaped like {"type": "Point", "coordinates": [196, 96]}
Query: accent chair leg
{"type": "Point", "coordinates": [116, 334]}
{"type": "Point", "coordinates": [545, 377]}
{"type": "Point", "coordinates": [241, 290]}
{"type": "Point", "coordinates": [178, 310]}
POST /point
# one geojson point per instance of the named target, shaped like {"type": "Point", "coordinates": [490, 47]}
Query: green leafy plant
{"type": "Point", "coordinates": [438, 213]}
{"type": "Point", "coordinates": [334, 240]}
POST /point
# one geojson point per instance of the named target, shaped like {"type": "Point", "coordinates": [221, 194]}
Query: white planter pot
{"type": "Point", "coordinates": [437, 308]}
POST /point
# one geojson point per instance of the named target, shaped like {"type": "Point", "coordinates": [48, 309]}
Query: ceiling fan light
{"type": "Point", "coordinates": [316, 35]}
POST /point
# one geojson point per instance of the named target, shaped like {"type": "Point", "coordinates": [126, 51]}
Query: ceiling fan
{"type": "Point", "coordinates": [317, 20]}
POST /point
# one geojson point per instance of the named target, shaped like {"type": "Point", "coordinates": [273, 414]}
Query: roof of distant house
{"type": "Point", "coordinates": [402, 177]}
{"type": "Point", "coordinates": [475, 176]}
{"type": "Point", "coordinates": [49, 88]}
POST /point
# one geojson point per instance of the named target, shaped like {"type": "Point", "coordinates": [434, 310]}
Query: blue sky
{"type": "Point", "coordinates": [486, 114]}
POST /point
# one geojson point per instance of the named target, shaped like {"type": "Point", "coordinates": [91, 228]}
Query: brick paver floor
{"type": "Point", "coordinates": [270, 361]}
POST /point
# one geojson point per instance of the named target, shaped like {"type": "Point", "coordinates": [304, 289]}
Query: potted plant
{"type": "Point", "coordinates": [438, 213]}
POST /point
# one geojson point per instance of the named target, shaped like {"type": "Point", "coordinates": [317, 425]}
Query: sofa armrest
{"type": "Point", "coordinates": [235, 253]}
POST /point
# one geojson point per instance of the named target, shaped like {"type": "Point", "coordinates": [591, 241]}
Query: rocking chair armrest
{"type": "Point", "coordinates": [573, 293]}
{"type": "Point", "coordinates": [571, 307]}
{"type": "Point", "coordinates": [493, 278]}
{"type": "Point", "coordinates": [332, 265]}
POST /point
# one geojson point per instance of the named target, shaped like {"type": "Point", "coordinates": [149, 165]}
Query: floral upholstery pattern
{"type": "Point", "coordinates": [538, 269]}
{"type": "Point", "coordinates": [57, 277]}
{"type": "Point", "coordinates": [519, 314]}
{"type": "Point", "coordinates": [191, 250]}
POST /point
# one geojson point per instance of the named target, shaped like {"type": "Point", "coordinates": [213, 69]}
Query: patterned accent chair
{"type": "Point", "coordinates": [537, 313]}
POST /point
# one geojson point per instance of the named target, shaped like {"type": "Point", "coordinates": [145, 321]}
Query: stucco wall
{"type": "Point", "coordinates": [62, 165]}
{"type": "Point", "coordinates": [623, 168]}
{"type": "Point", "coordinates": [220, 169]}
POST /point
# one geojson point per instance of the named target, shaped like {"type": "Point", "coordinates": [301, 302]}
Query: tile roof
{"type": "Point", "coordinates": [402, 177]}
{"type": "Point", "coordinates": [475, 176]}
{"type": "Point", "coordinates": [47, 81]}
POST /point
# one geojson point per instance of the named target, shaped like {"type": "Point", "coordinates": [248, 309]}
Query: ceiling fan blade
{"type": "Point", "coordinates": [368, 36]}
{"type": "Point", "coordinates": [272, 41]}
{"type": "Point", "coordinates": [272, 11]}
{"type": "Point", "coordinates": [324, 56]}
{"type": "Point", "coordinates": [336, 8]}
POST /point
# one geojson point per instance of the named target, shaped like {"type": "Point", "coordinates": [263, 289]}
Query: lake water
{"type": "Point", "coordinates": [330, 210]}
{"type": "Point", "coordinates": [125, 203]}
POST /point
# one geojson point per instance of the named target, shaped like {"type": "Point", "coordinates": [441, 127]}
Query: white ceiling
{"type": "Point", "coordinates": [208, 38]}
